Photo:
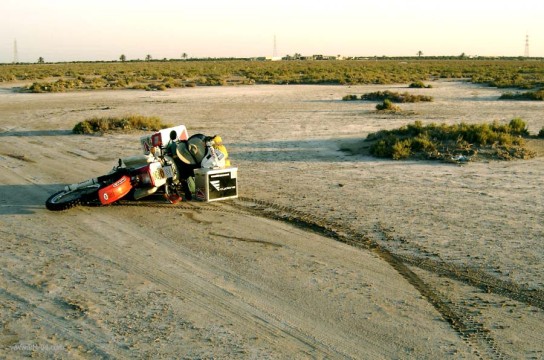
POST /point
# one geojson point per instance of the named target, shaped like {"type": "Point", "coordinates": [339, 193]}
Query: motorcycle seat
{"type": "Point", "coordinates": [136, 161]}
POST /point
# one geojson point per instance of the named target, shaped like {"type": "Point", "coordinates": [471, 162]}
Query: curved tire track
{"type": "Point", "coordinates": [469, 329]}
{"type": "Point", "coordinates": [472, 331]}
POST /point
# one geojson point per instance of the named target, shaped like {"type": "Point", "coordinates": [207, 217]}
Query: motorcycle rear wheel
{"type": "Point", "coordinates": [64, 200]}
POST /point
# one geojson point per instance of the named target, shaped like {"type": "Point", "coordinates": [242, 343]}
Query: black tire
{"type": "Point", "coordinates": [64, 200]}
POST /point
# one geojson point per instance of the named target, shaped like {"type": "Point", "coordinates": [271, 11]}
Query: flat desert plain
{"type": "Point", "coordinates": [326, 254]}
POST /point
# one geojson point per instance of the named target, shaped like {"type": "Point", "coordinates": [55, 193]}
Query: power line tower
{"type": "Point", "coordinates": [15, 53]}
{"type": "Point", "coordinates": [275, 52]}
{"type": "Point", "coordinates": [527, 45]}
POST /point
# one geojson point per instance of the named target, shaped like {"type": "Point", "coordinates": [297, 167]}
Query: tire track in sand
{"type": "Point", "coordinates": [472, 331]}
{"type": "Point", "coordinates": [189, 281]}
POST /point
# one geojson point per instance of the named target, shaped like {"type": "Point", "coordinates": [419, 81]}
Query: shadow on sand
{"type": "Point", "coordinates": [25, 133]}
{"type": "Point", "coordinates": [25, 199]}
{"type": "Point", "coordinates": [344, 150]}
{"type": "Point", "coordinates": [322, 150]}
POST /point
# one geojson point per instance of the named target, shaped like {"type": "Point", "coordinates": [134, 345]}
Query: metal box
{"type": "Point", "coordinates": [216, 184]}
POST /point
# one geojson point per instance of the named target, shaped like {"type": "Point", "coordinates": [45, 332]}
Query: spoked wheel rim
{"type": "Point", "coordinates": [66, 199]}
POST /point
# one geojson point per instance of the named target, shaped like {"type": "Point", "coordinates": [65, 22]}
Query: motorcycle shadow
{"type": "Point", "coordinates": [25, 199]}
{"type": "Point", "coordinates": [30, 199]}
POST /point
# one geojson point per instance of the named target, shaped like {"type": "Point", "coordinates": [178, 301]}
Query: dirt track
{"type": "Point", "coordinates": [326, 255]}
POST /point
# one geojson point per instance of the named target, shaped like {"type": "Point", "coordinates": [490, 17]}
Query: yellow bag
{"type": "Point", "coordinates": [218, 145]}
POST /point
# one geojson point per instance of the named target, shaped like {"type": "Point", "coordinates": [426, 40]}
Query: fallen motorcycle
{"type": "Point", "coordinates": [167, 166]}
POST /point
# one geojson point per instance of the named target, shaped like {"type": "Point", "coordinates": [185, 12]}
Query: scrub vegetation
{"type": "Point", "coordinates": [161, 75]}
{"type": "Point", "coordinates": [389, 95]}
{"type": "Point", "coordinates": [452, 143]}
{"type": "Point", "coordinates": [122, 123]}
{"type": "Point", "coordinates": [528, 95]}
{"type": "Point", "coordinates": [388, 106]}
{"type": "Point", "coordinates": [395, 97]}
{"type": "Point", "coordinates": [419, 85]}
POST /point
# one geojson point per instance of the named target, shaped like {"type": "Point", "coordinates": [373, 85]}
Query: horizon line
{"type": "Point", "coordinates": [314, 57]}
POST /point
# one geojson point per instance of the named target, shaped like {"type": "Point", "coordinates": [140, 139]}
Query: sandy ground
{"type": "Point", "coordinates": [325, 255]}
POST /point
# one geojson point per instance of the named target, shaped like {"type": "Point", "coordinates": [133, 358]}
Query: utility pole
{"type": "Point", "coordinates": [15, 54]}
{"type": "Point", "coordinates": [527, 45]}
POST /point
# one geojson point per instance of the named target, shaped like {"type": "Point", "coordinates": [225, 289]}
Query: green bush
{"type": "Point", "coordinates": [139, 87]}
{"type": "Point", "coordinates": [350, 98]}
{"type": "Point", "coordinates": [529, 95]}
{"type": "Point", "coordinates": [83, 127]}
{"type": "Point", "coordinates": [518, 127]}
{"type": "Point", "coordinates": [541, 133]}
{"type": "Point", "coordinates": [446, 141]}
{"type": "Point", "coordinates": [395, 97]}
{"type": "Point", "coordinates": [387, 105]}
{"type": "Point", "coordinates": [60, 85]}
{"type": "Point", "coordinates": [124, 123]}
{"type": "Point", "coordinates": [422, 142]}
{"type": "Point", "coordinates": [419, 85]}
{"type": "Point", "coordinates": [384, 146]}
{"type": "Point", "coordinates": [402, 149]}
{"type": "Point", "coordinates": [37, 88]}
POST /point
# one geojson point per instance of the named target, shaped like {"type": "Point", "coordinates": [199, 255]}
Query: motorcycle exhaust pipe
{"type": "Point", "coordinates": [143, 192]}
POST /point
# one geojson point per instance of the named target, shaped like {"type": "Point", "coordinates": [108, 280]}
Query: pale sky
{"type": "Point", "coordinates": [78, 30]}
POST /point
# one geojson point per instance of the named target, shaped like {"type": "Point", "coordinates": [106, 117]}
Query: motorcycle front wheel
{"type": "Point", "coordinates": [64, 200]}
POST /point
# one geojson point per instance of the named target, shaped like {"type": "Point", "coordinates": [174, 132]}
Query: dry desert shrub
{"type": "Point", "coordinates": [395, 97]}
{"type": "Point", "coordinates": [389, 95]}
{"type": "Point", "coordinates": [350, 97]}
{"type": "Point", "coordinates": [419, 85]}
{"type": "Point", "coordinates": [123, 123]}
{"type": "Point", "coordinates": [529, 95]}
{"type": "Point", "coordinates": [517, 73]}
{"type": "Point", "coordinates": [446, 142]}
{"type": "Point", "coordinates": [388, 106]}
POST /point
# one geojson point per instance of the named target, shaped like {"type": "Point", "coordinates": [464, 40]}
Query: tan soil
{"type": "Point", "coordinates": [438, 260]}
